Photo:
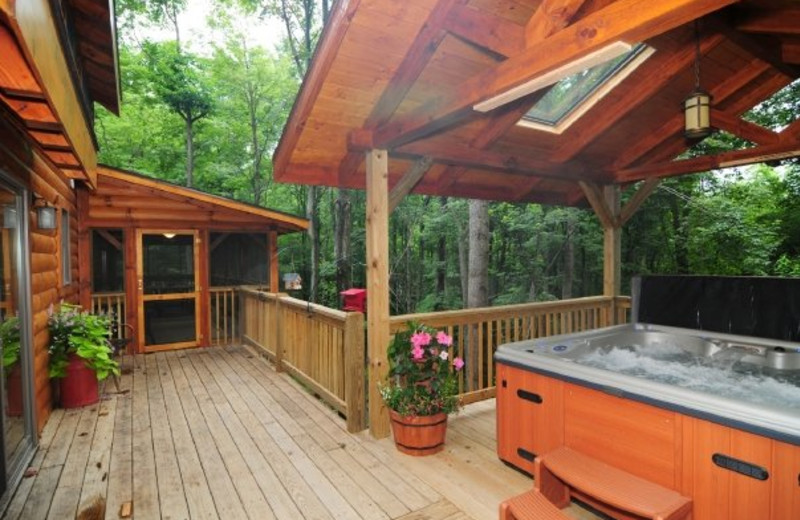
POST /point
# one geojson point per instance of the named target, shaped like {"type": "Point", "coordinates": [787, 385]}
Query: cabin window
{"type": "Point", "coordinates": [108, 265]}
{"type": "Point", "coordinates": [66, 257]}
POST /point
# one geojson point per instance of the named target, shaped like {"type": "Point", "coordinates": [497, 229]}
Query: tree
{"type": "Point", "coordinates": [179, 83]}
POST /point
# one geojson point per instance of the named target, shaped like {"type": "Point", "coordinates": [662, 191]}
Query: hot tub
{"type": "Point", "coordinates": [746, 382]}
{"type": "Point", "coordinates": [700, 394]}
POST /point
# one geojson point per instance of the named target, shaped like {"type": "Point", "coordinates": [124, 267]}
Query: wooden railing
{"type": "Point", "coordinates": [478, 332]}
{"type": "Point", "coordinates": [113, 304]}
{"type": "Point", "coordinates": [223, 315]}
{"type": "Point", "coordinates": [321, 347]}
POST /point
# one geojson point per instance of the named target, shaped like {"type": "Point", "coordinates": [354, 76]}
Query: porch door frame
{"type": "Point", "coordinates": [144, 298]}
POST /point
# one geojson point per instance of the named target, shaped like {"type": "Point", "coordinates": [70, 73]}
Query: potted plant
{"type": "Point", "coordinates": [10, 341]}
{"type": "Point", "coordinates": [422, 389]}
{"type": "Point", "coordinates": [80, 354]}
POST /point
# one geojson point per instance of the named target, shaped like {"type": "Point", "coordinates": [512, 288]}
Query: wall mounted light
{"type": "Point", "coordinates": [697, 106]}
{"type": "Point", "coordinates": [9, 217]}
{"type": "Point", "coordinates": [46, 217]}
{"type": "Point", "coordinates": [609, 52]}
{"type": "Point", "coordinates": [168, 235]}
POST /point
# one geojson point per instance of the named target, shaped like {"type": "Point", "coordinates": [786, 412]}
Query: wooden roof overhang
{"type": "Point", "coordinates": [58, 56]}
{"type": "Point", "coordinates": [128, 199]}
{"type": "Point", "coordinates": [405, 76]}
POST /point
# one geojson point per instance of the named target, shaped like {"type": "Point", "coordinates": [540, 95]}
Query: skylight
{"type": "Point", "coordinates": [575, 94]}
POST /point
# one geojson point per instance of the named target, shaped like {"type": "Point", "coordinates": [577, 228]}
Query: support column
{"type": "Point", "coordinates": [377, 220]}
{"type": "Point", "coordinates": [272, 251]}
{"type": "Point", "coordinates": [612, 243]}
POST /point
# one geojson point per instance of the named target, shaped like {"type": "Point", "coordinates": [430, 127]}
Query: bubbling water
{"type": "Point", "coordinates": [722, 374]}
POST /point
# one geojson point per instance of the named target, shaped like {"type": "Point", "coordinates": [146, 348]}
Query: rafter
{"type": "Point", "coordinates": [459, 155]}
{"type": "Point", "coordinates": [783, 150]}
{"type": "Point", "coordinates": [629, 20]}
{"type": "Point", "coordinates": [656, 74]}
{"type": "Point", "coordinates": [414, 62]}
{"type": "Point", "coordinates": [790, 51]}
{"type": "Point", "coordinates": [550, 17]}
{"type": "Point", "coordinates": [493, 33]}
{"type": "Point", "coordinates": [744, 129]}
{"type": "Point", "coordinates": [771, 21]}
{"type": "Point", "coordinates": [335, 30]}
{"type": "Point", "coordinates": [761, 47]}
{"type": "Point", "coordinates": [669, 130]}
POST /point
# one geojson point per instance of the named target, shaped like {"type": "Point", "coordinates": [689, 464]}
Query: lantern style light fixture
{"type": "Point", "coordinates": [46, 217]}
{"type": "Point", "coordinates": [697, 106]}
{"type": "Point", "coordinates": [9, 217]}
{"type": "Point", "coordinates": [45, 213]}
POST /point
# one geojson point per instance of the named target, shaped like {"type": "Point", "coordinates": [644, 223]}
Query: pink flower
{"type": "Point", "coordinates": [420, 339]}
{"type": "Point", "coordinates": [443, 354]}
{"type": "Point", "coordinates": [458, 363]}
{"type": "Point", "coordinates": [417, 352]}
{"type": "Point", "coordinates": [443, 339]}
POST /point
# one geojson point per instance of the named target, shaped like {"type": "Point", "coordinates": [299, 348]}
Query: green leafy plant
{"type": "Point", "coordinates": [9, 338]}
{"type": "Point", "coordinates": [422, 377]}
{"type": "Point", "coordinates": [84, 334]}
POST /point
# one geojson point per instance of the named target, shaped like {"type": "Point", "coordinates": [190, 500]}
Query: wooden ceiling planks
{"type": "Point", "coordinates": [414, 95]}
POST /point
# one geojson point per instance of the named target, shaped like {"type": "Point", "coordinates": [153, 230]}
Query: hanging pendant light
{"type": "Point", "coordinates": [697, 106]}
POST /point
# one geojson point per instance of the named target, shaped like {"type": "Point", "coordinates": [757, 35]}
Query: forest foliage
{"type": "Point", "coordinates": [212, 118]}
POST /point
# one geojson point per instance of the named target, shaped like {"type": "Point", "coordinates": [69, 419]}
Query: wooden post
{"type": "Point", "coordinates": [354, 370]}
{"type": "Point", "coordinates": [202, 291]}
{"type": "Point", "coordinates": [279, 332]}
{"type": "Point", "coordinates": [377, 257]}
{"type": "Point", "coordinates": [272, 246]}
{"type": "Point", "coordinates": [612, 250]}
{"type": "Point", "coordinates": [84, 280]}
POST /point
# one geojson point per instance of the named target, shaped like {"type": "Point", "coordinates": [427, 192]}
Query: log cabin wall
{"type": "Point", "coordinates": [22, 161]}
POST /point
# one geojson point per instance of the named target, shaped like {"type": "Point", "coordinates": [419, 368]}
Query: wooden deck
{"type": "Point", "coordinates": [217, 433]}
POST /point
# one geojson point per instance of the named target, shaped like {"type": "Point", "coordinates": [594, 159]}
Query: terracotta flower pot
{"type": "Point", "coordinates": [79, 388]}
{"type": "Point", "coordinates": [419, 435]}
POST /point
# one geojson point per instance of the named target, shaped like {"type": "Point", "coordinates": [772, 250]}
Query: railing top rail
{"type": "Point", "coordinates": [299, 305]}
{"type": "Point", "coordinates": [460, 316]}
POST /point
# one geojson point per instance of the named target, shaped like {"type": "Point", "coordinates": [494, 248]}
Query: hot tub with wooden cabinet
{"type": "Point", "coordinates": [728, 472]}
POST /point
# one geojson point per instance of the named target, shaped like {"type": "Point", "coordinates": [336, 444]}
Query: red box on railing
{"type": "Point", "coordinates": [354, 300]}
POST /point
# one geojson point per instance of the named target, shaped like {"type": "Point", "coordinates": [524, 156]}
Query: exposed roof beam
{"type": "Point", "coordinates": [741, 128]}
{"type": "Point", "coordinates": [657, 73]}
{"type": "Point", "coordinates": [626, 20]}
{"type": "Point", "coordinates": [327, 46]}
{"type": "Point", "coordinates": [42, 126]}
{"type": "Point", "coordinates": [790, 51]}
{"type": "Point", "coordinates": [414, 62]}
{"type": "Point", "coordinates": [496, 34]}
{"type": "Point", "coordinates": [672, 129]}
{"type": "Point", "coordinates": [772, 21]}
{"type": "Point", "coordinates": [550, 17]}
{"type": "Point", "coordinates": [23, 95]}
{"type": "Point", "coordinates": [773, 152]}
{"type": "Point", "coordinates": [759, 46]}
{"type": "Point", "coordinates": [408, 181]}
{"type": "Point", "coordinates": [457, 155]}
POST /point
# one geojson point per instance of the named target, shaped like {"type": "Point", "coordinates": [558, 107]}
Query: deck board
{"type": "Point", "coordinates": [217, 433]}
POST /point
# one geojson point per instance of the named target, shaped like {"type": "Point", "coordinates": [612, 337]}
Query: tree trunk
{"type": "Point", "coordinates": [569, 258]}
{"type": "Point", "coordinates": [441, 264]}
{"type": "Point", "coordinates": [189, 152]}
{"type": "Point", "coordinates": [478, 285]}
{"type": "Point", "coordinates": [463, 264]}
{"type": "Point", "coordinates": [313, 238]}
{"type": "Point", "coordinates": [341, 244]}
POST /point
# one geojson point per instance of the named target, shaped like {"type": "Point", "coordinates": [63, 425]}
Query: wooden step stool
{"type": "Point", "coordinates": [563, 472]}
